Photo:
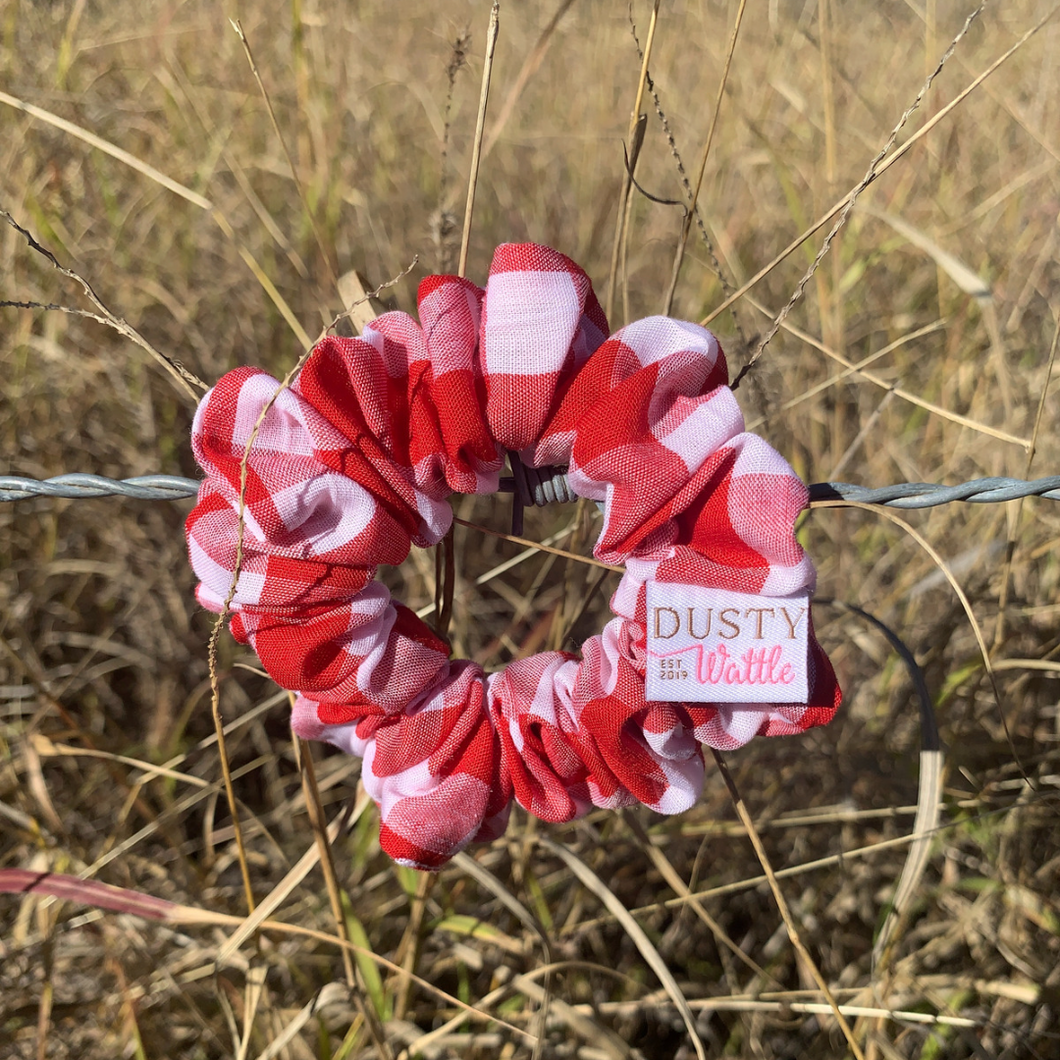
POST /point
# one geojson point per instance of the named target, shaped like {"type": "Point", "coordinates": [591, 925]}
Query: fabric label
{"type": "Point", "coordinates": [715, 646]}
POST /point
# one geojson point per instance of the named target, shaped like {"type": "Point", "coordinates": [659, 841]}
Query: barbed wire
{"type": "Point", "coordinates": [547, 485]}
{"type": "Point", "coordinates": [540, 486]}
{"type": "Point", "coordinates": [76, 486]}
{"type": "Point", "coordinates": [928, 494]}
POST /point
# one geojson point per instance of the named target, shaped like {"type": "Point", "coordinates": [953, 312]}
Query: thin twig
{"type": "Point", "coordinates": [535, 544]}
{"type": "Point", "coordinates": [348, 314]}
{"type": "Point", "coordinates": [187, 381]}
{"type": "Point", "coordinates": [215, 633]}
{"type": "Point", "coordinates": [457, 61]}
{"type": "Point", "coordinates": [447, 583]}
{"type": "Point", "coordinates": [409, 948]}
{"type": "Point", "coordinates": [623, 260]}
{"type": "Point", "coordinates": [782, 905]}
{"type": "Point", "coordinates": [9, 303]}
{"type": "Point", "coordinates": [445, 560]}
{"type": "Point", "coordinates": [635, 130]}
{"type": "Point", "coordinates": [657, 199]}
{"type": "Point", "coordinates": [480, 125]}
{"type": "Point", "coordinates": [679, 255]}
{"type": "Point", "coordinates": [443, 222]}
{"type": "Point", "coordinates": [222, 749]}
{"type": "Point", "coordinates": [238, 27]}
{"type": "Point", "coordinates": [108, 148]}
{"type": "Point", "coordinates": [315, 810]}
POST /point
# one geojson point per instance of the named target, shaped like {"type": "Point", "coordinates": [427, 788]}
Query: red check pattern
{"type": "Point", "coordinates": [353, 463]}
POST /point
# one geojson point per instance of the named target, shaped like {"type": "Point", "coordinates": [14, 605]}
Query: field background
{"type": "Point", "coordinates": [104, 650]}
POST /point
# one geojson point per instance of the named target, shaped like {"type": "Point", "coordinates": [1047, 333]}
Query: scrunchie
{"type": "Point", "coordinates": [354, 462]}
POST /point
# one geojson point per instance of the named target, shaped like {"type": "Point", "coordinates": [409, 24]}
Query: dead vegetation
{"type": "Point", "coordinates": [137, 146]}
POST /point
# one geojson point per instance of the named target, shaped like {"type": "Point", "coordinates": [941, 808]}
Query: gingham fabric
{"type": "Point", "coordinates": [355, 461]}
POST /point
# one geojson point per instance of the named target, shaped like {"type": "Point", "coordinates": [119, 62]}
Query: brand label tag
{"type": "Point", "coordinates": [715, 646]}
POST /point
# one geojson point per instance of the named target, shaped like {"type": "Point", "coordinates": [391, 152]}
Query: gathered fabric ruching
{"type": "Point", "coordinates": [354, 462]}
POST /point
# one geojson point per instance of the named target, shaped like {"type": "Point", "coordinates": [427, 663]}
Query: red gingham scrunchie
{"type": "Point", "coordinates": [355, 461]}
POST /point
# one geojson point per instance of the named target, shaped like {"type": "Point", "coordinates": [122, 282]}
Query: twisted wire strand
{"type": "Point", "coordinates": [145, 487]}
{"type": "Point", "coordinates": [541, 486]}
{"type": "Point", "coordinates": [928, 494]}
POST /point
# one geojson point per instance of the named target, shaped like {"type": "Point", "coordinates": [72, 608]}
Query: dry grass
{"type": "Point", "coordinates": [104, 653]}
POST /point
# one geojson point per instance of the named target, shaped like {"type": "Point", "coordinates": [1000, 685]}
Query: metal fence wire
{"type": "Point", "coordinates": [549, 484]}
